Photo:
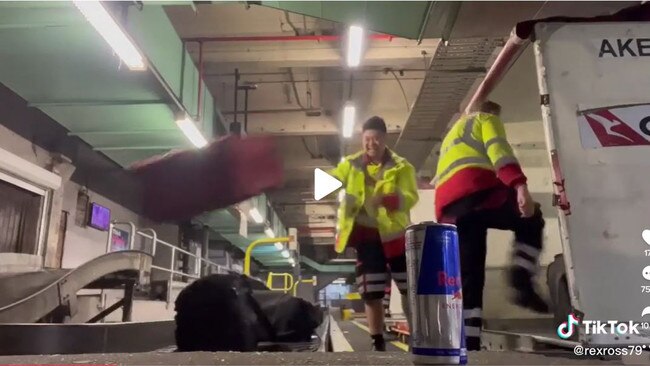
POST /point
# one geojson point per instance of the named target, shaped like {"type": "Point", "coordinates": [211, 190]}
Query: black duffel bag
{"type": "Point", "coordinates": [292, 319]}
{"type": "Point", "coordinates": [224, 313]}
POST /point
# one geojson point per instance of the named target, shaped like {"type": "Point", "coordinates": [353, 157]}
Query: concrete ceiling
{"type": "Point", "coordinates": [55, 60]}
{"type": "Point", "coordinates": [386, 85]}
{"type": "Point", "coordinates": [417, 87]}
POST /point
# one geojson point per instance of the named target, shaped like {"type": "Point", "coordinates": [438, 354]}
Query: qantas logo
{"type": "Point", "coordinates": [612, 131]}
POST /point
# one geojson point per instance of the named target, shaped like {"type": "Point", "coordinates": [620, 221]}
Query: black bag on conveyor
{"type": "Point", "coordinates": [218, 313]}
{"type": "Point", "coordinates": [224, 313]}
{"type": "Point", "coordinates": [293, 319]}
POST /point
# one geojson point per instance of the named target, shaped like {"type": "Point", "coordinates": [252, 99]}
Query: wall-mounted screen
{"type": "Point", "coordinates": [100, 217]}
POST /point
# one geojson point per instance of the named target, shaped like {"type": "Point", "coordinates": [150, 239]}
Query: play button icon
{"type": "Point", "coordinates": [324, 184]}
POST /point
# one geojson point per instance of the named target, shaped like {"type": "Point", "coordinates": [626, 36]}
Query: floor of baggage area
{"type": "Point", "coordinates": [355, 353]}
{"type": "Point", "coordinates": [357, 335]}
{"type": "Point", "coordinates": [340, 358]}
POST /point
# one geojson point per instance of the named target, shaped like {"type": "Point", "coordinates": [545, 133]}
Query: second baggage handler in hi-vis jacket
{"type": "Point", "coordinates": [480, 185]}
{"type": "Point", "coordinates": [380, 189]}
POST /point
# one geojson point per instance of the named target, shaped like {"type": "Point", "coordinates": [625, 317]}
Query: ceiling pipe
{"type": "Point", "coordinates": [286, 110]}
{"type": "Point", "coordinates": [360, 70]}
{"type": "Point", "coordinates": [505, 59]}
{"type": "Point", "coordinates": [317, 38]}
{"type": "Point", "coordinates": [332, 81]}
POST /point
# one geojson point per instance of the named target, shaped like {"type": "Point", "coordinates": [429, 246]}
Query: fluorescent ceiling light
{"type": "Point", "coordinates": [269, 232]}
{"type": "Point", "coordinates": [256, 215]}
{"type": "Point", "coordinates": [191, 132]}
{"type": "Point", "coordinates": [349, 114]}
{"type": "Point", "coordinates": [286, 254]}
{"type": "Point", "coordinates": [279, 246]}
{"type": "Point", "coordinates": [106, 26]}
{"type": "Point", "coordinates": [355, 39]}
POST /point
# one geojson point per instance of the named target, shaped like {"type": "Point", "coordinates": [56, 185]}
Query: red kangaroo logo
{"type": "Point", "coordinates": [611, 131]}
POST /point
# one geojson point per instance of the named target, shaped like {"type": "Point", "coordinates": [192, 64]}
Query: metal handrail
{"type": "Point", "coordinates": [155, 241]}
{"type": "Point", "coordinates": [295, 286]}
{"type": "Point", "coordinates": [154, 238]}
{"type": "Point", "coordinates": [288, 281]}
{"type": "Point", "coordinates": [251, 246]}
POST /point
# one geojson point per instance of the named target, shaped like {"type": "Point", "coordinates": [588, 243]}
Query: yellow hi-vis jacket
{"type": "Point", "coordinates": [397, 177]}
{"type": "Point", "coordinates": [475, 155]}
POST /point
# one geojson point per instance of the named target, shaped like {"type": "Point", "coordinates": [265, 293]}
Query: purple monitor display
{"type": "Point", "coordinates": [100, 217]}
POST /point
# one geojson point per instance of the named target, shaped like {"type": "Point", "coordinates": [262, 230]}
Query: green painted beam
{"type": "Point", "coordinates": [156, 37]}
{"type": "Point", "coordinates": [329, 268]}
{"type": "Point", "coordinates": [117, 132]}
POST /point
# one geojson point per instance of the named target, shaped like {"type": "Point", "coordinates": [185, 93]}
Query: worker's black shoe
{"type": "Point", "coordinates": [473, 343]}
{"type": "Point", "coordinates": [531, 300]}
{"type": "Point", "coordinates": [525, 294]}
{"type": "Point", "coordinates": [378, 343]}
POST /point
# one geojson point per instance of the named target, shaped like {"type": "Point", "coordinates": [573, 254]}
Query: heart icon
{"type": "Point", "coordinates": [646, 236]}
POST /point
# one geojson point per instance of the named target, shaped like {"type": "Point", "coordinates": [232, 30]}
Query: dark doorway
{"type": "Point", "coordinates": [20, 216]}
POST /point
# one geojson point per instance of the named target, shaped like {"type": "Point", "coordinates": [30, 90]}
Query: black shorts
{"type": "Point", "coordinates": [375, 270]}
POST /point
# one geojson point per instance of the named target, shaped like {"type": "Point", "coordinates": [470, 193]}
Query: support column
{"type": "Point", "coordinates": [127, 305]}
{"type": "Point", "coordinates": [53, 247]}
{"type": "Point", "coordinates": [205, 251]}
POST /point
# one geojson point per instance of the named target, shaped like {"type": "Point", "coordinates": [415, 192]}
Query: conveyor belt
{"type": "Point", "coordinates": [14, 287]}
{"type": "Point", "coordinates": [357, 334]}
{"type": "Point", "coordinates": [26, 298]}
{"type": "Point", "coordinates": [300, 358]}
{"type": "Point", "coordinates": [60, 339]}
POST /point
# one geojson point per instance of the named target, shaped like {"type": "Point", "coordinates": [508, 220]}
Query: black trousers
{"type": "Point", "coordinates": [472, 234]}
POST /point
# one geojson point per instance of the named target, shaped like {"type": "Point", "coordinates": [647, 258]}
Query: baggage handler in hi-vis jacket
{"type": "Point", "coordinates": [380, 189]}
{"type": "Point", "coordinates": [479, 186]}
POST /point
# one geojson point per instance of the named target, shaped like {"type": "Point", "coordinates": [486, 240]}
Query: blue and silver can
{"type": "Point", "coordinates": [435, 294]}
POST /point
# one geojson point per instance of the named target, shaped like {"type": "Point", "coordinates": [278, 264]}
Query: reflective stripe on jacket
{"type": "Point", "coordinates": [395, 181]}
{"type": "Point", "coordinates": [475, 155]}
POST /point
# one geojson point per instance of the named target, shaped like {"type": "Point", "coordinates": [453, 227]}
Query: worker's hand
{"type": "Point", "coordinates": [525, 201]}
{"type": "Point", "coordinates": [376, 202]}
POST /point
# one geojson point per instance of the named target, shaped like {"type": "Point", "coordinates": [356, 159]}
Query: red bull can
{"type": "Point", "coordinates": [435, 294]}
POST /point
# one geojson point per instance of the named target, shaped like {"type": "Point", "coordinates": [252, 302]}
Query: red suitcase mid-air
{"type": "Point", "coordinates": [182, 184]}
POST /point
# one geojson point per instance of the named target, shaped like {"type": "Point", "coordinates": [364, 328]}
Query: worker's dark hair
{"type": "Point", "coordinates": [375, 123]}
{"type": "Point", "coordinates": [488, 107]}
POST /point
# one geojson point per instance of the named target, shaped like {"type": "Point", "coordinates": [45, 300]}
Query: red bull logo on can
{"type": "Point", "coordinates": [446, 280]}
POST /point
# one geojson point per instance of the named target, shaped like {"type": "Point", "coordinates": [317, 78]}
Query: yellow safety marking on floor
{"type": "Point", "coordinates": [355, 322]}
{"type": "Point", "coordinates": [339, 342]}
{"type": "Point", "coordinates": [397, 344]}
{"type": "Point", "coordinates": [400, 345]}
